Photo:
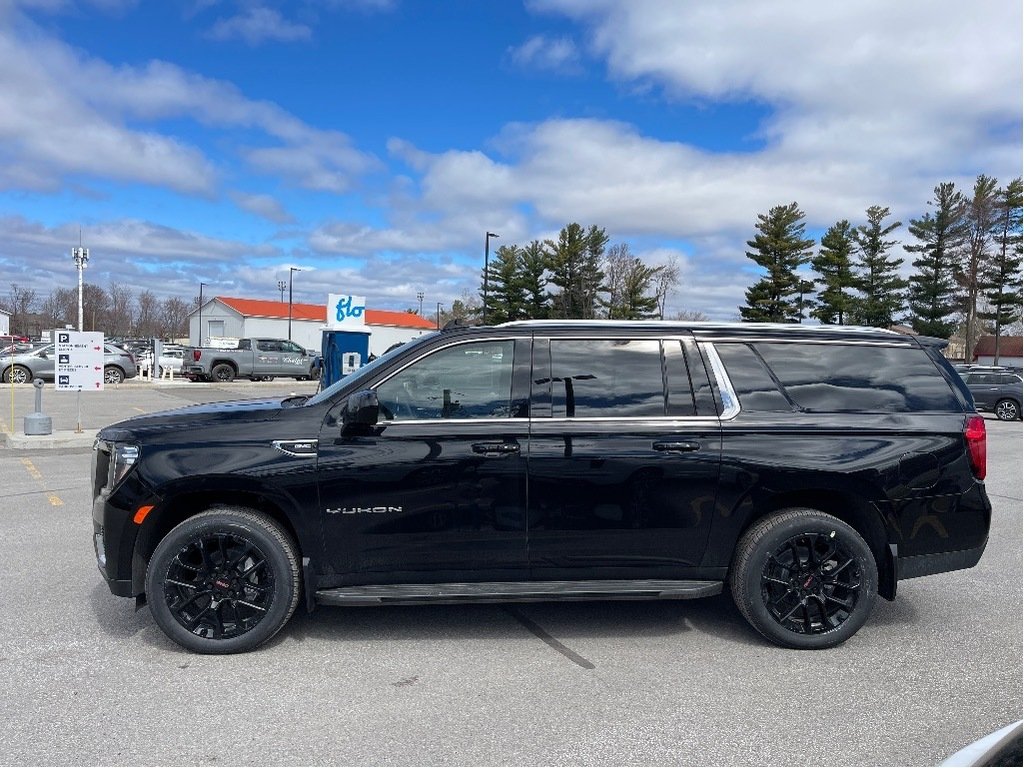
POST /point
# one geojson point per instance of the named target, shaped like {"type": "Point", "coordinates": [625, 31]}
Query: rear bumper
{"type": "Point", "coordinates": [926, 565]}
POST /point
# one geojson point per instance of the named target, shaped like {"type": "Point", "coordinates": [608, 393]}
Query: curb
{"type": "Point", "coordinates": [65, 439]}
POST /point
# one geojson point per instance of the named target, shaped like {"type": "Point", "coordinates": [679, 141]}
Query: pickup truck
{"type": "Point", "coordinates": [256, 359]}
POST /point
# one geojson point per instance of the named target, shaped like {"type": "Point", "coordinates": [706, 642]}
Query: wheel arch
{"type": "Point", "coordinates": [177, 508]}
{"type": "Point", "coordinates": [863, 516]}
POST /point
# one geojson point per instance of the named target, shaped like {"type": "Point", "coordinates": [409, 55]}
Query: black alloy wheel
{"type": "Point", "coordinates": [804, 579]}
{"type": "Point", "coordinates": [223, 372]}
{"type": "Point", "coordinates": [223, 581]}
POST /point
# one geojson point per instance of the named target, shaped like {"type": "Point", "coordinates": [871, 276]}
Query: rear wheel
{"type": "Point", "coordinates": [17, 374]}
{"type": "Point", "coordinates": [112, 375]}
{"type": "Point", "coordinates": [1007, 410]}
{"type": "Point", "coordinates": [223, 372]}
{"type": "Point", "coordinates": [224, 581]}
{"type": "Point", "coordinates": [804, 579]}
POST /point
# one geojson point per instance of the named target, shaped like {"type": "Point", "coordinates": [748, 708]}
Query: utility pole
{"type": "Point", "coordinates": [291, 271]}
{"type": "Point", "coordinates": [439, 315]}
{"type": "Point", "coordinates": [487, 258]}
{"type": "Point", "coordinates": [200, 342]}
{"type": "Point", "coordinates": [419, 295]}
{"type": "Point", "coordinates": [281, 285]}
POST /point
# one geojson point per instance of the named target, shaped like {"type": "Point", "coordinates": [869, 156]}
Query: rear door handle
{"type": "Point", "coordinates": [495, 448]}
{"type": "Point", "coordinates": [676, 446]}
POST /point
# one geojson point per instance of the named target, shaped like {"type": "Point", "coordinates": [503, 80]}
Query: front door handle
{"type": "Point", "coordinates": [495, 448]}
{"type": "Point", "coordinates": [676, 446]}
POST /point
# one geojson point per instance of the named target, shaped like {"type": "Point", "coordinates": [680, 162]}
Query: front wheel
{"type": "Point", "coordinates": [804, 579]}
{"type": "Point", "coordinates": [223, 581]}
{"type": "Point", "coordinates": [1007, 410]}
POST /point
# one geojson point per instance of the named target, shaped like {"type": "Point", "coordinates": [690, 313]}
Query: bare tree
{"type": "Point", "coordinates": [95, 303]}
{"type": "Point", "coordinates": [60, 308]}
{"type": "Point", "coordinates": [121, 315]}
{"type": "Point", "coordinates": [147, 317]}
{"type": "Point", "coordinates": [691, 315]}
{"type": "Point", "coordinates": [174, 318]}
{"type": "Point", "coordinates": [21, 302]}
{"type": "Point", "coordinates": [665, 283]}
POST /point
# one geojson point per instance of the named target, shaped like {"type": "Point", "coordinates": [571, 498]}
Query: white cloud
{"type": "Point", "coordinates": [256, 25]}
{"type": "Point", "coordinates": [543, 52]}
{"type": "Point", "coordinates": [263, 205]}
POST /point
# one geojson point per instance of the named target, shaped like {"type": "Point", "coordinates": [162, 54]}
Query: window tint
{"type": "Point", "coordinates": [292, 348]}
{"type": "Point", "coordinates": [607, 377]}
{"type": "Point", "coordinates": [680, 393]}
{"type": "Point", "coordinates": [754, 386]}
{"type": "Point", "coordinates": [266, 345]}
{"type": "Point", "coordinates": [836, 378]}
{"type": "Point", "coordinates": [467, 381]}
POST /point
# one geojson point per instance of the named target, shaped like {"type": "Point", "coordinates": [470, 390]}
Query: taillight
{"type": "Point", "coordinates": [196, 354]}
{"type": "Point", "coordinates": [977, 454]}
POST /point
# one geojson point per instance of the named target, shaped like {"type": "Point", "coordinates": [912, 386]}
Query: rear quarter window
{"type": "Point", "coordinates": [834, 378]}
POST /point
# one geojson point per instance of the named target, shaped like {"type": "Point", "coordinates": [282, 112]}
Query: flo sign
{"type": "Point", "coordinates": [344, 312]}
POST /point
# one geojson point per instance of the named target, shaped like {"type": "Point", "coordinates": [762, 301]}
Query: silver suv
{"type": "Point", "coordinates": [118, 365]}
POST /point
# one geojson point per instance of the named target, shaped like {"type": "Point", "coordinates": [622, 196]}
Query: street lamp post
{"type": "Point", "coordinates": [81, 256]}
{"type": "Point", "coordinates": [487, 258]}
{"type": "Point", "coordinates": [291, 271]}
{"type": "Point", "coordinates": [200, 342]}
{"type": "Point", "coordinates": [281, 285]}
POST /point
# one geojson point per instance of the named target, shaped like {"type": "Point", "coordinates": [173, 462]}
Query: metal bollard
{"type": "Point", "coordinates": [38, 423]}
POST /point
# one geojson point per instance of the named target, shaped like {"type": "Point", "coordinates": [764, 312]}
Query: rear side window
{"type": "Point", "coordinates": [753, 384]}
{"type": "Point", "coordinates": [833, 378]}
{"type": "Point", "coordinates": [607, 377]}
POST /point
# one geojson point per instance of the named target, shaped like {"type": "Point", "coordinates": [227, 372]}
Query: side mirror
{"type": "Point", "coordinates": [361, 410]}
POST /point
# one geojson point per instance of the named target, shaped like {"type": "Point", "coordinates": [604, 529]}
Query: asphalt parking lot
{"type": "Point", "coordinates": [87, 680]}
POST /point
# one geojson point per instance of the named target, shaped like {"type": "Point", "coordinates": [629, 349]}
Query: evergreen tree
{"type": "Point", "coordinates": [506, 296]}
{"type": "Point", "coordinates": [780, 248]}
{"type": "Point", "coordinates": [933, 291]}
{"type": "Point", "coordinates": [533, 265]}
{"type": "Point", "coordinates": [833, 263]}
{"type": "Point", "coordinates": [629, 283]}
{"type": "Point", "coordinates": [575, 265]}
{"type": "Point", "coordinates": [876, 275]}
{"type": "Point", "coordinates": [981, 215]}
{"type": "Point", "coordinates": [1000, 281]}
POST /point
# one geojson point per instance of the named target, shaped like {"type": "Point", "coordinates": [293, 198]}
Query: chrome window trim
{"type": "Point", "coordinates": [688, 420]}
{"type": "Point", "coordinates": [894, 343]}
{"type": "Point", "coordinates": [730, 402]}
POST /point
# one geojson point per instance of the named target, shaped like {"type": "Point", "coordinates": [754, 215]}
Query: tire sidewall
{"type": "Point", "coordinates": [282, 601]}
{"type": "Point", "coordinates": [1013, 404]}
{"type": "Point", "coordinates": [812, 523]}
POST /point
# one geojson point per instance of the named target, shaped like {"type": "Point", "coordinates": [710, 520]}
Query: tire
{"type": "Point", "coordinates": [804, 579]}
{"type": "Point", "coordinates": [112, 375]}
{"type": "Point", "coordinates": [222, 372]}
{"type": "Point", "coordinates": [18, 374]}
{"type": "Point", "coordinates": [1007, 410]}
{"type": "Point", "coordinates": [223, 581]}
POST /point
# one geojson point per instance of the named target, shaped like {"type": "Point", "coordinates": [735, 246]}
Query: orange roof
{"type": "Point", "coordinates": [318, 312]}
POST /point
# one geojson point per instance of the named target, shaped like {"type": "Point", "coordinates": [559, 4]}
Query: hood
{"type": "Point", "coordinates": [195, 417]}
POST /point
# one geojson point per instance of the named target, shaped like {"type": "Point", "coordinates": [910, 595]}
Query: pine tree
{"type": "Point", "coordinates": [575, 265]}
{"type": "Point", "coordinates": [981, 215]}
{"type": "Point", "coordinates": [933, 291]}
{"type": "Point", "coordinates": [505, 299]}
{"type": "Point", "coordinates": [876, 275]}
{"type": "Point", "coordinates": [833, 263]}
{"type": "Point", "coordinates": [780, 248]}
{"type": "Point", "coordinates": [533, 263]}
{"type": "Point", "coordinates": [1000, 281]}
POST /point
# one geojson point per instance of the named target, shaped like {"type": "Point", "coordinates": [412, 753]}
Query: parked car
{"type": "Point", "coordinates": [997, 390]}
{"type": "Point", "coordinates": [118, 365]}
{"type": "Point", "coordinates": [806, 469]}
{"type": "Point", "coordinates": [171, 357]}
{"type": "Point", "coordinates": [256, 359]}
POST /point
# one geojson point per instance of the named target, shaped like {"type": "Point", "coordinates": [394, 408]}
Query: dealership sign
{"type": "Point", "coordinates": [345, 311]}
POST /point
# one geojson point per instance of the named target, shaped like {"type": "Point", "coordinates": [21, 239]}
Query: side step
{"type": "Point", "coordinates": [517, 592]}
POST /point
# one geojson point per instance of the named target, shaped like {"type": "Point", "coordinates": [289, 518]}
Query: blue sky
{"type": "Point", "coordinates": [372, 143]}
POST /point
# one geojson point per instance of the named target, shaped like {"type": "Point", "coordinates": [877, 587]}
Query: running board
{"type": "Point", "coordinates": [517, 592]}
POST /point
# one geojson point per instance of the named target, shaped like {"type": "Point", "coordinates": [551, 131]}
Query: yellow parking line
{"type": "Point", "coordinates": [140, 410]}
{"type": "Point", "coordinates": [55, 500]}
{"type": "Point", "coordinates": [31, 469]}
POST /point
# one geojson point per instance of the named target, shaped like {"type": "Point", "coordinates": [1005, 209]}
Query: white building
{"type": "Point", "coordinates": [232, 318]}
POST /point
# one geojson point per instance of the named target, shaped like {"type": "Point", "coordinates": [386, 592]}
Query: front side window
{"type": "Point", "coordinates": [466, 381]}
{"type": "Point", "coordinates": [607, 377]}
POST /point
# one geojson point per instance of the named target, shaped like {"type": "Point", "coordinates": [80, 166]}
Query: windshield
{"type": "Point", "coordinates": [367, 370]}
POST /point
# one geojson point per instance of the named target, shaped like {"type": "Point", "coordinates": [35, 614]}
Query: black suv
{"type": "Point", "coordinates": [808, 468]}
{"type": "Point", "coordinates": [995, 389]}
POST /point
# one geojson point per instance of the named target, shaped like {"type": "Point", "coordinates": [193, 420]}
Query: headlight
{"type": "Point", "coordinates": [123, 459]}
